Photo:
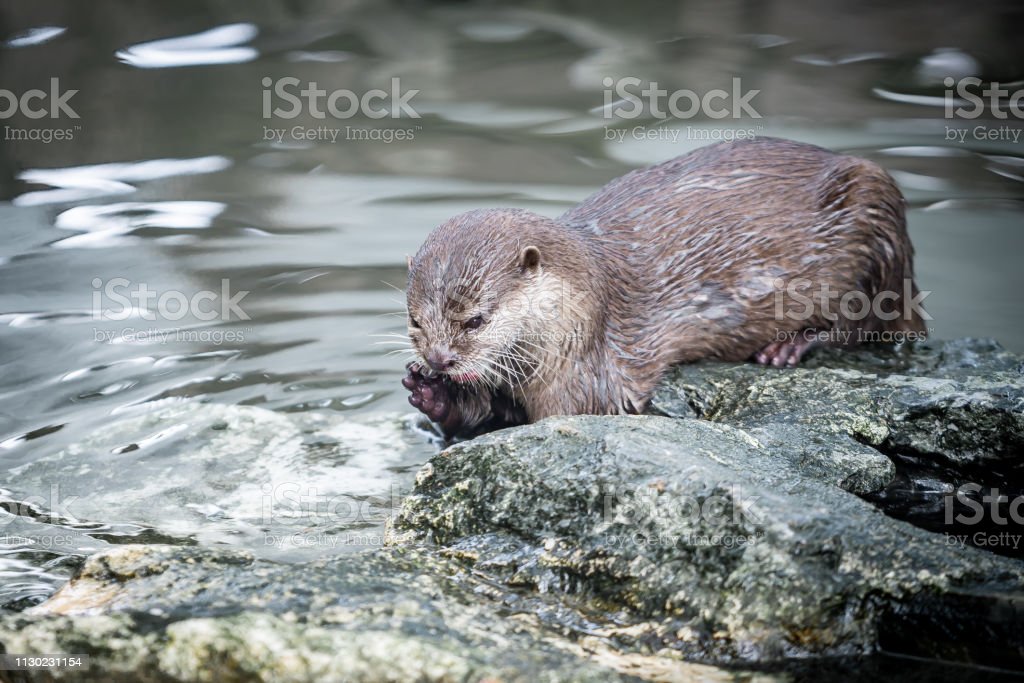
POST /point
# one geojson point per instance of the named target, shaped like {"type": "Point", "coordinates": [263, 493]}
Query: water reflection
{"type": "Point", "coordinates": [112, 224]}
{"type": "Point", "coordinates": [216, 46]}
{"type": "Point", "coordinates": [35, 36]}
{"type": "Point", "coordinates": [86, 182]}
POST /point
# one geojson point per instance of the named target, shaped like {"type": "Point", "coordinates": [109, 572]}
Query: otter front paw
{"type": "Point", "coordinates": [433, 397]}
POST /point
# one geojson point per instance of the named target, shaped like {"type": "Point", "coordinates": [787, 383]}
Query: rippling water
{"type": "Point", "coordinates": [280, 426]}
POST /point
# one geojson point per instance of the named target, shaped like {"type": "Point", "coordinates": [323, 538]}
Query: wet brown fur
{"type": "Point", "coordinates": [677, 262]}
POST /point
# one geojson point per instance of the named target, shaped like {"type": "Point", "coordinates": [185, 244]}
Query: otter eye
{"type": "Point", "coordinates": [413, 323]}
{"type": "Point", "coordinates": [473, 323]}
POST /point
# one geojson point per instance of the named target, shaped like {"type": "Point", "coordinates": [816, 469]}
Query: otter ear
{"type": "Point", "coordinates": [529, 258]}
{"type": "Point", "coordinates": [408, 262]}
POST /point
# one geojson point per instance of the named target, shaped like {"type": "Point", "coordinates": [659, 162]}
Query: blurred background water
{"type": "Point", "coordinates": [172, 177]}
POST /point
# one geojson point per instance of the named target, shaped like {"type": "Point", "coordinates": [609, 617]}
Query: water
{"type": "Point", "coordinates": [184, 430]}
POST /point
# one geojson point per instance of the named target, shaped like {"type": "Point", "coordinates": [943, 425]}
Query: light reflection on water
{"type": "Point", "coordinates": [173, 180]}
{"type": "Point", "coordinates": [221, 45]}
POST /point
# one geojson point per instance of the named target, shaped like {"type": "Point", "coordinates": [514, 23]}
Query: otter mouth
{"type": "Point", "coordinates": [463, 377]}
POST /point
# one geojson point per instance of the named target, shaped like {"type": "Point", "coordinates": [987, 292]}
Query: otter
{"type": "Point", "coordinates": [750, 250]}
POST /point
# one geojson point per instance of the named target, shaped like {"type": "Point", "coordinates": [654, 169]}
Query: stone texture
{"type": "Point", "coordinates": [164, 613]}
{"type": "Point", "coordinates": [702, 534]}
{"type": "Point", "coordinates": [731, 526]}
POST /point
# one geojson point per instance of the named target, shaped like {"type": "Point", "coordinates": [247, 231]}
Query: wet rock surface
{"type": "Point", "coordinates": [752, 521]}
{"type": "Point", "coordinates": [948, 415]}
{"type": "Point", "coordinates": [960, 403]}
{"type": "Point", "coordinates": [160, 613]}
{"type": "Point", "coordinates": [757, 532]}
{"type": "Point", "coordinates": [706, 539]}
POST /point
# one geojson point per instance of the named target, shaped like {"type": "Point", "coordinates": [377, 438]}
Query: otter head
{"type": "Point", "coordinates": [477, 293]}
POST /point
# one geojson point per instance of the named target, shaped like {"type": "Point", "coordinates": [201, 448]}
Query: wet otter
{"type": "Point", "coordinates": [756, 249]}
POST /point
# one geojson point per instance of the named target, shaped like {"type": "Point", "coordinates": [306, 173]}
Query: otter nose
{"type": "Point", "coordinates": [440, 361]}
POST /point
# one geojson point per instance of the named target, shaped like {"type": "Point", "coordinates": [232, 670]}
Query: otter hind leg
{"type": "Point", "coordinates": [869, 195]}
{"type": "Point", "coordinates": [787, 353]}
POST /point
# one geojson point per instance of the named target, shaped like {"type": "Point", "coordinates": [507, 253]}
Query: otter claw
{"type": "Point", "coordinates": [781, 354]}
{"type": "Point", "coordinates": [430, 395]}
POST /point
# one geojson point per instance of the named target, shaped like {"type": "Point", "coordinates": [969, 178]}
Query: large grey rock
{"type": "Point", "coordinates": [958, 402]}
{"type": "Point", "coordinates": [162, 613]}
{"type": "Point", "coordinates": [712, 543]}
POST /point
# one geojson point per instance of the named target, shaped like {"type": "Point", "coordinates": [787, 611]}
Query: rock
{"type": "Point", "coordinates": [740, 524]}
{"type": "Point", "coordinates": [937, 358]}
{"type": "Point", "coordinates": [163, 613]}
{"type": "Point", "coordinates": [700, 535]}
{"type": "Point", "coordinates": [959, 403]}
